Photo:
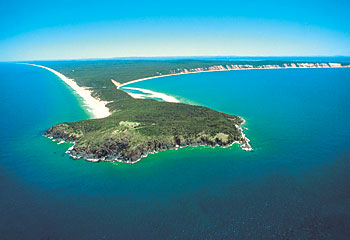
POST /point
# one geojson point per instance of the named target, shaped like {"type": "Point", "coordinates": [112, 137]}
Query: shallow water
{"type": "Point", "coordinates": [295, 185]}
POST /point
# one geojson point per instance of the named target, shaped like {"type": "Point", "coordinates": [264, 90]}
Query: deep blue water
{"type": "Point", "coordinates": [295, 185]}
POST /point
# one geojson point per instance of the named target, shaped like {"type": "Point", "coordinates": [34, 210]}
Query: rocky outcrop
{"type": "Point", "coordinates": [122, 150]}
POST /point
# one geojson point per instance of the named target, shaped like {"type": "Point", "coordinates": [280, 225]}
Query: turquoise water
{"type": "Point", "coordinates": [295, 185]}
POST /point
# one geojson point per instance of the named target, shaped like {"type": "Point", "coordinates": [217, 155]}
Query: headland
{"type": "Point", "coordinates": [134, 128]}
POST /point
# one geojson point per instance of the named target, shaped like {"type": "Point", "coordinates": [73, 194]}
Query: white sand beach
{"type": "Point", "coordinates": [95, 106]}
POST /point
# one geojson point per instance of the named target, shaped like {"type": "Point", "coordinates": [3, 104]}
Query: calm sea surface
{"type": "Point", "coordinates": [295, 185]}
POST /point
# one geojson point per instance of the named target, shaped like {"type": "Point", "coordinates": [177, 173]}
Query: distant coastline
{"type": "Point", "coordinates": [95, 106]}
{"type": "Point", "coordinates": [235, 67]}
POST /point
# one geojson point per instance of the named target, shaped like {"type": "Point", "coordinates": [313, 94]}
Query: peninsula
{"type": "Point", "coordinates": [128, 129]}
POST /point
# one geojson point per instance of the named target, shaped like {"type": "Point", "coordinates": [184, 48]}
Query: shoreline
{"type": "Point", "coordinates": [243, 144]}
{"type": "Point", "coordinates": [238, 68]}
{"type": "Point", "coordinates": [93, 106]}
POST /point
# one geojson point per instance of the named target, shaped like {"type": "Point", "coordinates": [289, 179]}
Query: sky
{"type": "Point", "coordinates": [51, 30]}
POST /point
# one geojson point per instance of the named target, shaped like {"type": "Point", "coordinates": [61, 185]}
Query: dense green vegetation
{"type": "Point", "coordinates": [139, 126]}
{"type": "Point", "coordinates": [148, 126]}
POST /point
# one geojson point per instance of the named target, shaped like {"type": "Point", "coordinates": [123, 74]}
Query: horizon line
{"type": "Point", "coordinates": [175, 57]}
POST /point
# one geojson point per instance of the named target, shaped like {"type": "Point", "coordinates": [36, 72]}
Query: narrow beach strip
{"type": "Point", "coordinates": [95, 106]}
{"type": "Point", "coordinates": [118, 85]}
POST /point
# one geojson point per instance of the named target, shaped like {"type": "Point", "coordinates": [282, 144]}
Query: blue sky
{"type": "Point", "coordinates": [37, 30]}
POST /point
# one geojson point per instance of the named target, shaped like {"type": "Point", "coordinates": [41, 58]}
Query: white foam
{"type": "Point", "coordinates": [151, 94]}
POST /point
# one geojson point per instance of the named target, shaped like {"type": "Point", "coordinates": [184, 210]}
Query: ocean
{"type": "Point", "coordinates": [294, 185]}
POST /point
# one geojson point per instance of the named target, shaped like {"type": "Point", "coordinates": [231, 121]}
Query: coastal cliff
{"type": "Point", "coordinates": [114, 139]}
